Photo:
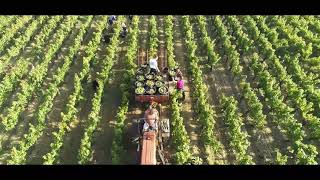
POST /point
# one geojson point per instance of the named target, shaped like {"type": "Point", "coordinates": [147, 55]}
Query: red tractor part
{"type": "Point", "coordinates": [148, 151]}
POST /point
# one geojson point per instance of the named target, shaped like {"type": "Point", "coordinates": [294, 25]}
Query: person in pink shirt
{"type": "Point", "coordinates": [180, 86]}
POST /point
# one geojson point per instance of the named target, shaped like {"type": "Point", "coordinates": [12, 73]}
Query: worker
{"type": "Point", "coordinates": [91, 65]}
{"type": "Point", "coordinates": [10, 67]}
{"type": "Point", "coordinates": [180, 86]}
{"type": "Point", "coordinates": [130, 18]}
{"type": "Point", "coordinates": [94, 80]}
{"type": "Point", "coordinates": [154, 64]}
{"type": "Point", "coordinates": [178, 73]}
{"type": "Point", "coordinates": [31, 67]}
{"type": "Point", "coordinates": [93, 74]}
{"type": "Point", "coordinates": [165, 70]}
{"type": "Point", "coordinates": [151, 116]}
{"type": "Point", "coordinates": [111, 19]}
{"type": "Point", "coordinates": [107, 38]}
{"type": "Point", "coordinates": [95, 85]}
{"type": "Point", "coordinates": [124, 30]}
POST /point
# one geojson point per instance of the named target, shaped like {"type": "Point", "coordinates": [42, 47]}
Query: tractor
{"type": "Point", "coordinates": [151, 143]}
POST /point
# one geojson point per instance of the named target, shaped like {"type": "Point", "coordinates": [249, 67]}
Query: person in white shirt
{"type": "Point", "coordinates": [124, 30]}
{"type": "Point", "coordinates": [124, 26]}
{"type": "Point", "coordinates": [151, 116]}
{"type": "Point", "coordinates": [154, 64]}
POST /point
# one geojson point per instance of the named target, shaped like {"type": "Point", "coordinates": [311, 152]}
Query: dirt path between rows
{"type": "Point", "coordinates": [111, 100]}
{"type": "Point", "coordinates": [259, 147]}
{"type": "Point", "coordinates": [27, 116]}
{"type": "Point", "coordinates": [191, 122]}
{"type": "Point", "coordinates": [69, 151]}
{"type": "Point", "coordinates": [54, 117]}
{"type": "Point", "coordinates": [5, 136]}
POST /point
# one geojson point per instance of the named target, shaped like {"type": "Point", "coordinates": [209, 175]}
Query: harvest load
{"type": "Point", "coordinates": [147, 83]}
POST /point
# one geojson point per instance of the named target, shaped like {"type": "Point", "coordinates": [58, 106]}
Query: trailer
{"type": "Point", "coordinates": [143, 57]}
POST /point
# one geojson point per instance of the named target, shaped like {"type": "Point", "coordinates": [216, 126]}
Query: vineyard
{"type": "Point", "coordinates": [252, 89]}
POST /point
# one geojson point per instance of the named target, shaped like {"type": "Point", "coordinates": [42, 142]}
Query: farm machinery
{"type": "Point", "coordinates": [154, 89]}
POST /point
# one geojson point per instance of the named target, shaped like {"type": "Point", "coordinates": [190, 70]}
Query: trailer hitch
{"type": "Point", "coordinates": [135, 140]}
